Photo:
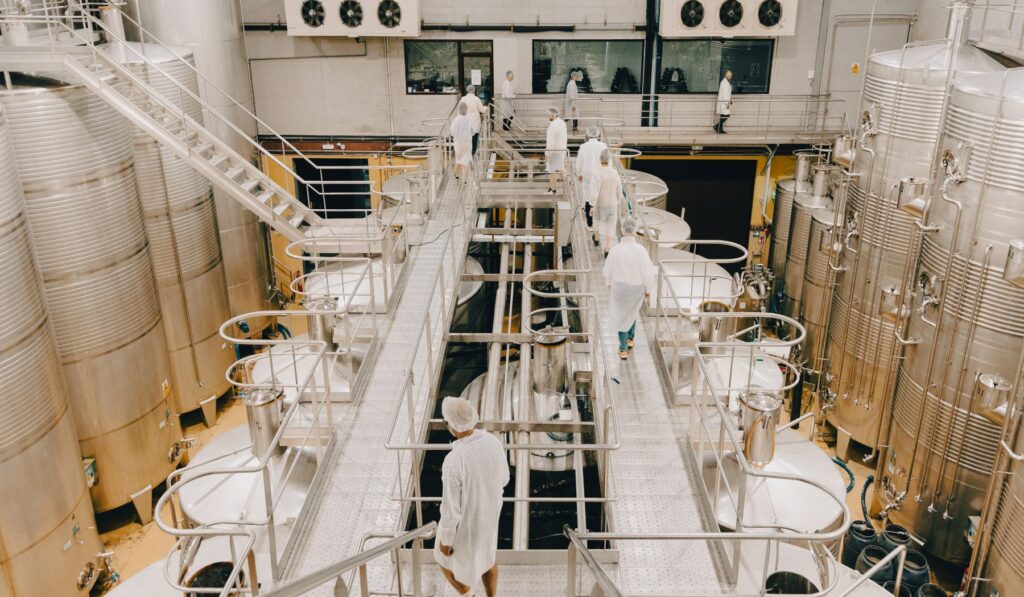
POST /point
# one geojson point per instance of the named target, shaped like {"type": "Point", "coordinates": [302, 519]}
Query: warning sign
{"type": "Point", "coordinates": [855, 69]}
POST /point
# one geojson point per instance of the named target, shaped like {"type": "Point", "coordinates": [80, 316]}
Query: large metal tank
{"type": "Point", "coordinates": [785, 191]}
{"type": "Point", "coordinates": [212, 30]}
{"type": "Point", "coordinates": [968, 322]}
{"type": "Point", "coordinates": [181, 224]}
{"type": "Point", "coordinates": [901, 112]}
{"type": "Point", "coordinates": [46, 524]}
{"type": "Point", "coordinates": [816, 296]}
{"type": "Point", "coordinates": [74, 157]}
{"type": "Point", "coordinates": [805, 205]}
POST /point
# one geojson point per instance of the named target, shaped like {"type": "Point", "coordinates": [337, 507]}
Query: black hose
{"type": "Point", "coordinates": [864, 497]}
{"type": "Point", "coordinates": [842, 464]}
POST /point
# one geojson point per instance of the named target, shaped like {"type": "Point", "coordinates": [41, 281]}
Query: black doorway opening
{"type": "Point", "coordinates": [718, 196]}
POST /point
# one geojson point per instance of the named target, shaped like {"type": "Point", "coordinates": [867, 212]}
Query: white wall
{"type": "Point", "coordinates": [340, 87]}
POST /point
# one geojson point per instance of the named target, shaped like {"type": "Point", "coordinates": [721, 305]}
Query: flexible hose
{"type": "Point", "coordinates": [842, 464]}
{"type": "Point", "coordinates": [284, 331]}
{"type": "Point", "coordinates": [864, 497]}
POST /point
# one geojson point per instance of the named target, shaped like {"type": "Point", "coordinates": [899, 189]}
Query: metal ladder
{"type": "Point", "coordinates": [167, 123]}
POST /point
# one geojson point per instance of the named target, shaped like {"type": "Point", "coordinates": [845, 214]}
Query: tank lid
{"type": "Point", "coordinates": [992, 84]}
{"type": "Point", "coordinates": [469, 288]}
{"type": "Point", "coordinates": [549, 336]}
{"type": "Point", "coordinates": [826, 216]}
{"type": "Point", "coordinates": [760, 400]}
{"type": "Point", "coordinates": [935, 56]}
{"type": "Point", "coordinates": [811, 201]}
{"type": "Point", "coordinates": [261, 396]}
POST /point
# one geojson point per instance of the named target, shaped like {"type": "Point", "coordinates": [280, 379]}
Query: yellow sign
{"type": "Point", "coordinates": [855, 68]}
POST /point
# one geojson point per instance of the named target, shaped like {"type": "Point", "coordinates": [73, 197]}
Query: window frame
{"type": "Point", "coordinates": [735, 91]}
{"type": "Point", "coordinates": [639, 73]}
{"type": "Point", "coordinates": [460, 54]}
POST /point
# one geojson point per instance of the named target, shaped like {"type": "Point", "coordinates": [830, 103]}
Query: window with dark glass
{"type": "Point", "coordinates": [698, 65]}
{"type": "Point", "coordinates": [448, 67]}
{"type": "Point", "coordinates": [606, 66]}
{"type": "Point", "coordinates": [334, 187]}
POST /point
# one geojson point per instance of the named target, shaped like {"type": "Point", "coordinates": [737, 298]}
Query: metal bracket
{"type": "Point", "coordinates": [143, 502]}
{"type": "Point", "coordinates": [209, 408]}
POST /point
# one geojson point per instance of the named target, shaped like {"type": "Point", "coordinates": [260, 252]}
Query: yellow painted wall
{"type": "Point", "coordinates": [285, 266]}
{"type": "Point", "coordinates": [782, 167]}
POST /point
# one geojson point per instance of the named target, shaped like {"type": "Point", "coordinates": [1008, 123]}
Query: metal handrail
{"type": "Point", "coordinates": [334, 571]}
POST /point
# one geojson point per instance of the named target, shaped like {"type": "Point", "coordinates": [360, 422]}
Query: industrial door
{"type": "Point", "coordinates": [718, 196]}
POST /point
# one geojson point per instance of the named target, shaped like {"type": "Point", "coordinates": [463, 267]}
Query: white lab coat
{"type": "Point", "coordinates": [557, 143]}
{"type": "Point", "coordinates": [507, 95]}
{"type": "Point", "coordinates": [630, 273]}
{"type": "Point", "coordinates": [588, 162]}
{"type": "Point", "coordinates": [476, 108]}
{"type": "Point", "coordinates": [724, 102]}
{"type": "Point", "coordinates": [607, 203]}
{"type": "Point", "coordinates": [474, 474]}
{"type": "Point", "coordinates": [462, 136]}
{"type": "Point", "coordinates": [572, 93]}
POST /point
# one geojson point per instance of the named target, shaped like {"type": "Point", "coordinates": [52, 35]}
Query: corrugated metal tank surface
{"type": "Point", "coordinates": [212, 30]}
{"type": "Point", "coordinates": [785, 192]}
{"type": "Point", "coordinates": [74, 157]}
{"type": "Point", "coordinates": [805, 205]}
{"type": "Point", "coordinates": [817, 287]}
{"type": "Point", "coordinates": [903, 90]}
{"type": "Point", "coordinates": [46, 504]}
{"type": "Point", "coordinates": [947, 450]}
{"type": "Point", "coordinates": [182, 228]}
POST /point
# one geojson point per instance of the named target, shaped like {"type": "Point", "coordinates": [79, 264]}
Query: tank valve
{"type": "Point", "coordinates": [179, 447]}
{"type": "Point", "coordinates": [86, 576]}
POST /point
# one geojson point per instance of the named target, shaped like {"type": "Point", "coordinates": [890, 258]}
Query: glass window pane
{"type": "Point", "coordinates": [607, 66]}
{"type": "Point", "coordinates": [697, 65]}
{"type": "Point", "coordinates": [431, 66]}
{"type": "Point", "coordinates": [486, 84]}
{"type": "Point", "coordinates": [751, 63]}
{"type": "Point", "coordinates": [470, 47]}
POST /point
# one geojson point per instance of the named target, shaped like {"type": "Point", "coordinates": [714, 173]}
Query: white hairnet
{"type": "Point", "coordinates": [593, 132]}
{"type": "Point", "coordinates": [459, 413]}
{"type": "Point", "coordinates": [471, 89]}
{"type": "Point", "coordinates": [606, 156]}
{"type": "Point", "coordinates": [629, 226]}
{"type": "Point", "coordinates": [553, 110]}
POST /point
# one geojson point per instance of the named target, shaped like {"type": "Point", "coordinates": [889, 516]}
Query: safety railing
{"type": "Point", "coordinates": [358, 563]}
{"type": "Point", "coordinates": [673, 117]}
{"type": "Point", "coordinates": [1002, 24]}
{"type": "Point", "coordinates": [303, 372]}
{"type": "Point", "coordinates": [75, 22]}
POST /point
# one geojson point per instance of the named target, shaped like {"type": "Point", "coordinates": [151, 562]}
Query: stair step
{"type": "Point", "coordinates": [233, 172]}
{"type": "Point", "coordinates": [265, 197]}
{"type": "Point", "coordinates": [249, 184]}
{"type": "Point", "coordinates": [297, 219]}
{"type": "Point", "coordinates": [217, 159]}
{"type": "Point", "coordinates": [201, 147]}
{"type": "Point", "coordinates": [281, 207]}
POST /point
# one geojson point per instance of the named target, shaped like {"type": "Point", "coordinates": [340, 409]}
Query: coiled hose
{"type": "Point", "coordinates": [842, 464]}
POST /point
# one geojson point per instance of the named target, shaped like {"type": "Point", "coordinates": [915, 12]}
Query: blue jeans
{"type": "Point", "coordinates": [624, 336]}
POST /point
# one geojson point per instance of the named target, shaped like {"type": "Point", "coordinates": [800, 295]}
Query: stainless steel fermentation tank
{"type": "Point", "coordinates": [181, 224]}
{"type": "Point", "coordinates": [74, 157]}
{"type": "Point", "coordinates": [785, 192]}
{"type": "Point", "coordinates": [816, 294]}
{"type": "Point", "coordinates": [805, 205]}
{"type": "Point", "coordinates": [901, 111]}
{"type": "Point", "coordinates": [966, 328]}
{"type": "Point", "coordinates": [212, 30]}
{"type": "Point", "coordinates": [47, 530]}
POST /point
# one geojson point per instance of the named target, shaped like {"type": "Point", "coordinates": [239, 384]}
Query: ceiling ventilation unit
{"type": "Point", "coordinates": [353, 18]}
{"type": "Point", "coordinates": [728, 18]}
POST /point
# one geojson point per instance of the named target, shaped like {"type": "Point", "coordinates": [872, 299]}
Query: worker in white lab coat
{"type": "Point", "coordinates": [476, 108]}
{"type": "Point", "coordinates": [555, 149]}
{"type": "Point", "coordinates": [608, 202]}
{"type": "Point", "coordinates": [723, 105]}
{"type": "Point", "coordinates": [630, 273]}
{"type": "Point", "coordinates": [462, 137]}
{"type": "Point", "coordinates": [588, 160]}
{"type": "Point", "coordinates": [474, 475]}
{"type": "Point", "coordinates": [508, 110]}
{"type": "Point", "coordinates": [572, 94]}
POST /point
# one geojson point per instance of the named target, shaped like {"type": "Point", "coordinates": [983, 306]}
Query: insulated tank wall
{"type": "Point", "coordinates": [785, 192]}
{"type": "Point", "coordinates": [967, 320]}
{"type": "Point", "coordinates": [74, 157]}
{"type": "Point", "coordinates": [182, 228]}
{"type": "Point", "coordinates": [212, 30]}
{"type": "Point", "coordinates": [805, 205]}
{"type": "Point", "coordinates": [45, 500]}
{"type": "Point", "coordinates": [903, 96]}
{"type": "Point", "coordinates": [817, 288]}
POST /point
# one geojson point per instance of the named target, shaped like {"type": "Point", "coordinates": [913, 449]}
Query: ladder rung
{"type": "Point", "coordinates": [202, 147]}
{"type": "Point", "coordinates": [249, 184]}
{"type": "Point", "coordinates": [297, 219]}
{"type": "Point", "coordinates": [281, 207]}
{"type": "Point", "coordinates": [233, 172]}
{"type": "Point", "coordinates": [265, 197]}
{"type": "Point", "coordinates": [217, 159]}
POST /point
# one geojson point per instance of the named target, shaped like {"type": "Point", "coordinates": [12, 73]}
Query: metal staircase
{"type": "Point", "coordinates": [189, 140]}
